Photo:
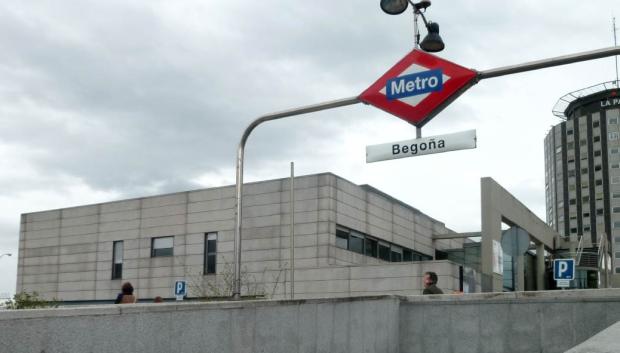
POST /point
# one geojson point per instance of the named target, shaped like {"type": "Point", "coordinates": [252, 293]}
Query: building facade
{"type": "Point", "coordinates": [349, 240]}
{"type": "Point", "coordinates": [582, 177]}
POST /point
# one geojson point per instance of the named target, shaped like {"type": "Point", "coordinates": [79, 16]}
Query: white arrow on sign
{"type": "Point", "coordinates": [423, 146]}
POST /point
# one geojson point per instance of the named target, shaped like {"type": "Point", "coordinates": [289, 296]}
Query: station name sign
{"type": "Point", "coordinates": [423, 146]}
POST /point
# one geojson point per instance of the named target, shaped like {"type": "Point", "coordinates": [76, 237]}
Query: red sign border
{"type": "Point", "coordinates": [460, 79]}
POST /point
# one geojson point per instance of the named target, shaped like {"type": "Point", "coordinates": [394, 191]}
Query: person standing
{"type": "Point", "coordinates": [126, 295]}
{"type": "Point", "coordinates": [430, 283]}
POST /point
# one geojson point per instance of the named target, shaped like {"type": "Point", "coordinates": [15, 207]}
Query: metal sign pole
{"type": "Point", "coordinates": [502, 71]}
{"type": "Point", "coordinates": [240, 157]}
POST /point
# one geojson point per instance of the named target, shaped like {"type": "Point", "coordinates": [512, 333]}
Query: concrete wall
{"type": "Point", "coordinates": [67, 253]}
{"type": "Point", "coordinates": [364, 325]}
{"type": "Point", "coordinates": [545, 322]}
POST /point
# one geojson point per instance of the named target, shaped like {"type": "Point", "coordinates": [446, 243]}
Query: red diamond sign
{"type": "Point", "coordinates": [418, 87]}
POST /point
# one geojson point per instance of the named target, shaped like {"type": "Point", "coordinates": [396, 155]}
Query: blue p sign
{"type": "Point", "coordinates": [564, 269]}
{"type": "Point", "coordinates": [180, 288]}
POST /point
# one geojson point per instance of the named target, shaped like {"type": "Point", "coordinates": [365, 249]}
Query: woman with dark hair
{"type": "Point", "coordinates": [126, 295]}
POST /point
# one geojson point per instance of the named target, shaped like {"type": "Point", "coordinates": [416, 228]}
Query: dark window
{"type": "Point", "coordinates": [342, 238]}
{"type": "Point", "coordinates": [597, 153]}
{"type": "Point", "coordinates": [384, 251]}
{"type": "Point", "coordinates": [617, 269]}
{"type": "Point", "coordinates": [571, 173]}
{"type": "Point", "coordinates": [397, 254]}
{"type": "Point", "coordinates": [595, 123]}
{"type": "Point", "coordinates": [407, 255]}
{"type": "Point", "coordinates": [597, 138]}
{"type": "Point", "coordinates": [584, 170]}
{"type": "Point", "coordinates": [210, 263]}
{"type": "Point", "coordinates": [371, 247]}
{"type": "Point", "coordinates": [569, 132]}
{"type": "Point", "coordinates": [572, 201]}
{"type": "Point", "coordinates": [356, 243]}
{"type": "Point", "coordinates": [597, 168]}
{"type": "Point", "coordinates": [598, 182]}
{"type": "Point", "coordinates": [117, 260]}
{"type": "Point", "coordinates": [573, 230]}
{"type": "Point", "coordinates": [162, 246]}
{"type": "Point", "coordinates": [599, 211]}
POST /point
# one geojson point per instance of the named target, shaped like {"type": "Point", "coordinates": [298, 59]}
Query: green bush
{"type": "Point", "coordinates": [25, 300]}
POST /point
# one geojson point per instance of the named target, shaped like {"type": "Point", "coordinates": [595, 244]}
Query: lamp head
{"type": "Point", "coordinates": [394, 7]}
{"type": "Point", "coordinates": [432, 43]}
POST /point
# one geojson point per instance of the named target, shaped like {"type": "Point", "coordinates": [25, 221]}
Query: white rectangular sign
{"type": "Point", "coordinates": [419, 147]}
{"type": "Point", "coordinates": [562, 283]}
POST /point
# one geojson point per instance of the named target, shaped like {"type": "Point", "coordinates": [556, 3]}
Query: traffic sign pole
{"type": "Point", "coordinates": [502, 71]}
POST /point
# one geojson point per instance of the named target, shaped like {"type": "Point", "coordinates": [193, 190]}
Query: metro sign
{"type": "Point", "coordinates": [418, 87]}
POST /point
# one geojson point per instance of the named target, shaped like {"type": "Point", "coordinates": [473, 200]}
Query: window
{"type": "Point", "coordinates": [371, 247]}
{"type": "Point", "coordinates": [585, 199]}
{"type": "Point", "coordinates": [571, 173]}
{"type": "Point", "coordinates": [613, 121]}
{"type": "Point", "coordinates": [117, 259]}
{"type": "Point", "coordinates": [384, 251]}
{"type": "Point", "coordinates": [613, 136]}
{"type": "Point", "coordinates": [597, 167]}
{"type": "Point", "coordinates": [616, 225]}
{"type": "Point", "coordinates": [584, 170]}
{"type": "Point", "coordinates": [615, 165]}
{"type": "Point", "coordinates": [570, 145]}
{"type": "Point", "coordinates": [597, 153]}
{"type": "Point", "coordinates": [210, 262]}
{"type": "Point", "coordinates": [569, 132]}
{"type": "Point", "coordinates": [586, 229]}
{"type": "Point", "coordinates": [573, 230]}
{"type": "Point", "coordinates": [615, 180]}
{"type": "Point", "coordinates": [595, 123]}
{"type": "Point", "coordinates": [614, 151]}
{"type": "Point", "coordinates": [616, 209]}
{"type": "Point", "coordinates": [342, 238]}
{"type": "Point", "coordinates": [586, 215]}
{"type": "Point", "coordinates": [583, 142]}
{"type": "Point", "coordinates": [407, 255]}
{"type": "Point", "coordinates": [598, 182]}
{"type": "Point", "coordinates": [597, 138]}
{"type": "Point", "coordinates": [397, 253]}
{"type": "Point", "coordinates": [572, 201]}
{"type": "Point", "coordinates": [356, 243]}
{"type": "Point", "coordinates": [599, 211]}
{"type": "Point", "coordinates": [616, 195]}
{"type": "Point", "coordinates": [162, 246]}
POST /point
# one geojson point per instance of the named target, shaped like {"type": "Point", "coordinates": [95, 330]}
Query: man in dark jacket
{"type": "Point", "coordinates": [430, 284]}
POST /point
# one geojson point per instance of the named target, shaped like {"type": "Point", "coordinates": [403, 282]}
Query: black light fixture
{"type": "Point", "coordinates": [394, 7]}
{"type": "Point", "coordinates": [432, 42]}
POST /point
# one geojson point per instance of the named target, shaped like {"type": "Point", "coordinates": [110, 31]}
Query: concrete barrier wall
{"type": "Point", "coordinates": [547, 322]}
{"type": "Point", "coordinates": [345, 325]}
{"type": "Point", "coordinates": [488, 322]}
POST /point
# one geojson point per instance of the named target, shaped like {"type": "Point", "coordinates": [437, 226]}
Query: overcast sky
{"type": "Point", "coordinates": [105, 100]}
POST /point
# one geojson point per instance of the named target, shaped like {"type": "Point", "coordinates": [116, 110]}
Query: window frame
{"type": "Point", "coordinates": [162, 252]}
{"type": "Point", "coordinates": [210, 252]}
{"type": "Point", "coordinates": [117, 267]}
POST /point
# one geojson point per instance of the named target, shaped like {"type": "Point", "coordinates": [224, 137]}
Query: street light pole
{"type": "Point", "coordinates": [6, 254]}
{"type": "Point", "coordinates": [240, 158]}
{"type": "Point", "coordinates": [501, 71]}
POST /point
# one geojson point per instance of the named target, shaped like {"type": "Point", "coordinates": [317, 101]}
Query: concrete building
{"type": "Point", "coordinates": [582, 180]}
{"type": "Point", "coordinates": [349, 240]}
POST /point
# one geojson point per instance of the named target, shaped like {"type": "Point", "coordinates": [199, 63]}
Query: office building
{"type": "Point", "coordinates": [582, 180]}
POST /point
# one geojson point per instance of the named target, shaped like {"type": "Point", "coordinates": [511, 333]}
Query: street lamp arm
{"type": "Point", "coordinates": [544, 63]}
{"type": "Point", "coordinates": [240, 159]}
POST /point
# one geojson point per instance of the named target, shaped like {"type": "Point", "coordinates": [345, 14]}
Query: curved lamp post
{"type": "Point", "coordinates": [7, 254]}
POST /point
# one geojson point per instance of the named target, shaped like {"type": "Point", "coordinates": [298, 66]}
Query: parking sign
{"type": "Point", "coordinates": [564, 269]}
{"type": "Point", "coordinates": [180, 289]}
